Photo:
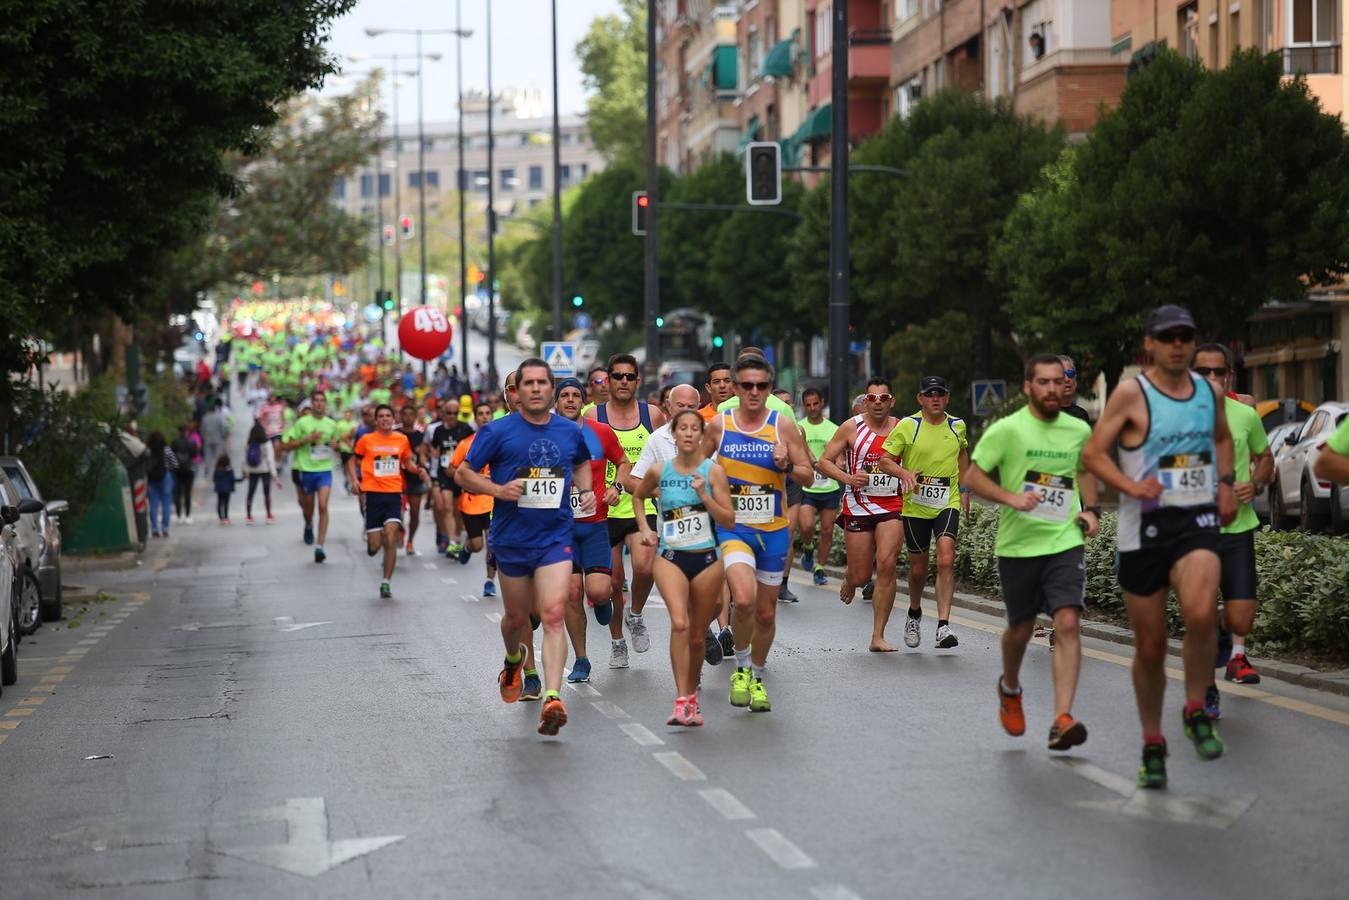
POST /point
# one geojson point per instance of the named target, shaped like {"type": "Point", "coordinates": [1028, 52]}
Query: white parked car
{"type": "Point", "coordinates": [1297, 496]}
{"type": "Point", "coordinates": [1277, 437]}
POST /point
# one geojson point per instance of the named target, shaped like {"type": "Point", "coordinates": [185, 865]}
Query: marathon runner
{"type": "Point", "coordinates": [872, 507]}
{"type": "Point", "coordinates": [758, 449]}
{"type": "Point", "coordinates": [720, 388]}
{"type": "Point", "coordinates": [1175, 478]}
{"type": "Point", "coordinates": [823, 495]}
{"type": "Point", "coordinates": [314, 438]}
{"type": "Point", "coordinates": [694, 494]}
{"type": "Point", "coordinates": [632, 423]}
{"type": "Point", "coordinates": [1333, 462]}
{"type": "Point", "coordinates": [442, 437]}
{"type": "Point", "coordinates": [535, 458]}
{"type": "Point", "coordinates": [1049, 504]}
{"type": "Point", "coordinates": [934, 449]}
{"type": "Point", "coordinates": [597, 388]}
{"type": "Point", "coordinates": [1253, 467]}
{"type": "Point", "coordinates": [592, 559]}
{"type": "Point", "coordinates": [1068, 399]}
{"type": "Point", "coordinates": [382, 455]}
{"type": "Point", "coordinates": [476, 509]}
{"type": "Point", "coordinates": [415, 490]}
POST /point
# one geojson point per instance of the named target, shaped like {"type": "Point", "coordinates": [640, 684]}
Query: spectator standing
{"type": "Point", "coordinates": [225, 481]}
{"type": "Point", "coordinates": [159, 482]}
{"type": "Point", "coordinates": [260, 468]}
{"type": "Point", "coordinates": [185, 451]}
{"type": "Point", "coordinates": [215, 430]}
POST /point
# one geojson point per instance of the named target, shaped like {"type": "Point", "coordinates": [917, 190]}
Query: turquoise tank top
{"type": "Point", "coordinates": [685, 523]}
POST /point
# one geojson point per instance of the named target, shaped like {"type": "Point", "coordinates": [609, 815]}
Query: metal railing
{"type": "Point", "coordinates": [1322, 59]}
{"type": "Point", "coordinates": [860, 37]}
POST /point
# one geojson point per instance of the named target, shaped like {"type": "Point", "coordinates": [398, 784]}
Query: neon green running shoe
{"type": "Point", "coordinates": [758, 697]}
{"type": "Point", "coordinates": [740, 680]}
{"type": "Point", "coordinates": [1199, 729]}
{"type": "Point", "coordinates": [1152, 772]}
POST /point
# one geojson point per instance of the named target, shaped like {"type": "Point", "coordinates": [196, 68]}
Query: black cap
{"type": "Point", "coordinates": [932, 383]}
{"type": "Point", "coordinates": [1169, 316]}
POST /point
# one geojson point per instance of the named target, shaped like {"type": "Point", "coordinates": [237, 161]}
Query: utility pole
{"type": "Point", "coordinates": [557, 196]}
{"type": "Point", "coordinates": [839, 407]}
{"type": "Point", "coordinates": [461, 184]}
{"type": "Point", "coordinates": [491, 220]}
{"type": "Point", "coordinates": [397, 217]}
{"type": "Point", "coordinates": [652, 292]}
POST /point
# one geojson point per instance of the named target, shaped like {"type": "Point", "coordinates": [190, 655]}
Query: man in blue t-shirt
{"type": "Point", "coordinates": [534, 458]}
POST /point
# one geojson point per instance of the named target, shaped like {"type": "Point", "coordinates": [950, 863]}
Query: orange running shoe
{"type": "Point", "coordinates": [1066, 733]}
{"type": "Point", "coordinates": [553, 717]}
{"type": "Point", "coordinates": [509, 680]}
{"type": "Point", "coordinates": [1010, 713]}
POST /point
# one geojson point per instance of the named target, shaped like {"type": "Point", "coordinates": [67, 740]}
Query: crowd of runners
{"type": "Point", "coordinates": [583, 497]}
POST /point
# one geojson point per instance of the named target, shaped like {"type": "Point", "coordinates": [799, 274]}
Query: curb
{"type": "Point", "coordinates": [1330, 682]}
{"type": "Point", "coordinates": [94, 562]}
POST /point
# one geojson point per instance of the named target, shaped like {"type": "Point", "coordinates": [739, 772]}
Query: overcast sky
{"type": "Point", "coordinates": [521, 47]}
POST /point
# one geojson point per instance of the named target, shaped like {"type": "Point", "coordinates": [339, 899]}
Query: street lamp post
{"type": "Point", "coordinates": [652, 286]}
{"type": "Point", "coordinates": [839, 407]}
{"type": "Point", "coordinates": [460, 183]}
{"type": "Point", "coordinates": [557, 196]}
{"type": "Point", "coordinates": [491, 220]}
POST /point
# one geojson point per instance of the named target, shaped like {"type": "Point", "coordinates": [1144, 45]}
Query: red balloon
{"type": "Point", "coordinates": [424, 332]}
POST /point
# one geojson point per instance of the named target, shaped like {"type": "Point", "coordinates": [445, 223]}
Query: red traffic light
{"type": "Point", "coordinates": [643, 200]}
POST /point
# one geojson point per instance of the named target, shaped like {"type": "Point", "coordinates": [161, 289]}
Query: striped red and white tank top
{"type": "Point", "coordinates": [882, 494]}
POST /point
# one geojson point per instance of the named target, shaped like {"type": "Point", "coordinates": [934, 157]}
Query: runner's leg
{"type": "Point", "coordinates": [704, 593]}
{"type": "Point", "coordinates": [323, 493]}
{"type": "Point", "coordinates": [674, 590]}
{"type": "Point", "coordinates": [576, 616]}
{"type": "Point", "coordinates": [946, 576]}
{"type": "Point", "coordinates": [861, 552]}
{"type": "Point", "coordinates": [1147, 615]}
{"type": "Point", "coordinates": [1066, 660]}
{"type": "Point", "coordinates": [1014, 641]}
{"type": "Point", "coordinates": [550, 591]}
{"type": "Point", "coordinates": [392, 530]}
{"type": "Point", "coordinates": [1195, 576]}
{"type": "Point", "coordinates": [887, 538]}
{"type": "Point", "coordinates": [643, 564]}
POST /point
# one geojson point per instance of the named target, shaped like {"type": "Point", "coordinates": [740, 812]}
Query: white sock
{"type": "Point", "coordinates": [636, 617]}
{"type": "Point", "coordinates": [758, 671]}
{"type": "Point", "coordinates": [617, 643]}
{"type": "Point", "coordinates": [742, 658]}
{"type": "Point", "coordinates": [1238, 646]}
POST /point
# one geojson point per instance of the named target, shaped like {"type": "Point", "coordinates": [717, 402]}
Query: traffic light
{"type": "Point", "coordinates": [388, 235]}
{"type": "Point", "coordinates": [387, 301]}
{"type": "Point", "coordinates": [718, 342]}
{"type": "Point", "coordinates": [405, 227]}
{"type": "Point", "coordinates": [640, 203]}
{"type": "Point", "coordinates": [763, 173]}
{"type": "Point", "coordinates": [660, 321]}
{"type": "Point", "coordinates": [578, 301]}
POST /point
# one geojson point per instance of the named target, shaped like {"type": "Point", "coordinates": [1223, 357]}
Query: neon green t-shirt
{"type": "Point", "coordinates": [314, 457]}
{"type": "Point", "coordinates": [1339, 441]}
{"type": "Point", "coordinates": [773, 402]}
{"type": "Point", "coordinates": [1248, 436]}
{"type": "Point", "coordinates": [817, 438]}
{"type": "Point", "coordinates": [932, 452]}
{"type": "Point", "coordinates": [1030, 454]}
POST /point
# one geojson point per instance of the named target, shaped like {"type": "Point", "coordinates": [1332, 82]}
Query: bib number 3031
{"type": "Point", "coordinates": [542, 488]}
{"type": "Point", "coordinates": [753, 504]}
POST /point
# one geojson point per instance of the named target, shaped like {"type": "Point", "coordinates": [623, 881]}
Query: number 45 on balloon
{"type": "Point", "coordinates": [424, 332]}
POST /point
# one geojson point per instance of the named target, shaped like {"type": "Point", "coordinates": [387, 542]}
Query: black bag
{"type": "Point", "coordinates": [156, 470]}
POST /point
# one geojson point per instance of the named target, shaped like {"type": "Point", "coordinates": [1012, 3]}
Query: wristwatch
{"type": "Point", "coordinates": [1094, 510]}
{"type": "Point", "coordinates": [1229, 479]}
{"type": "Point", "coordinates": [618, 487]}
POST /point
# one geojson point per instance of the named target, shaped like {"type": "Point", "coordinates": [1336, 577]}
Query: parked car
{"type": "Point", "coordinates": [1297, 496]}
{"type": "Point", "coordinates": [9, 598]}
{"type": "Point", "coordinates": [1278, 446]}
{"type": "Point", "coordinates": [29, 548]}
{"type": "Point", "coordinates": [49, 521]}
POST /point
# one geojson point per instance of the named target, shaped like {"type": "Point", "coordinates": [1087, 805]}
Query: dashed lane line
{"type": "Point", "coordinates": [779, 849]}
{"type": "Point", "coordinates": [609, 710]}
{"type": "Point", "coordinates": [641, 734]}
{"type": "Point", "coordinates": [679, 767]}
{"type": "Point", "coordinates": [726, 803]}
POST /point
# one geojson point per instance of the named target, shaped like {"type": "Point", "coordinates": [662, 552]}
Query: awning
{"type": "Point", "coordinates": [818, 124]}
{"type": "Point", "coordinates": [752, 131]}
{"type": "Point", "coordinates": [725, 76]}
{"type": "Point", "coordinates": [791, 152]}
{"type": "Point", "coordinates": [779, 62]}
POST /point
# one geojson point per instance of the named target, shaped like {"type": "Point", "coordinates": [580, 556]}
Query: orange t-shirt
{"type": "Point", "coordinates": [708, 412]}
{"type": "Point", "coordinates": [469, 502]}
{"type": "Point", "coordinates": [382, 459]}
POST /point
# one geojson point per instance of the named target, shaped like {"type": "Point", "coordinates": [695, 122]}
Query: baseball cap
{"type": "Point", "coordinates": [1170, 316]}
{"type": "Point", "coordinates": [932, 383]}
{"type": "Point", "coordinates": [569, 383]}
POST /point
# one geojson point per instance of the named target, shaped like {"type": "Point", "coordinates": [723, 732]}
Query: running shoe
{"type": "Point", "coordinates": [1240, 670]}
{"type": "Point", "coordinates": [946, 638]}
{"type": "Point", "coordinates": [1213, 703]}
{"type": "Point", "coordinates": [678, 716]}
{"type": "Point", "coordinates": [410, 551]}
{"type": "Point", "coordinates": [442, 543]}
{"type": "Point", "coordinates": [1066, 733]}
{"type": "Point", "coordinates": [385, 592]}
{"type": "Point", "coordinates": [604, 612]}
{"type": "Point", "coordinates": [808, 561]}
{"type": "Point", "coordinates": [532, 688]}
{"type": "Point", "coordinates": [464, 555]}
{"type": "Point", "coordinates": [453, 549]}
{"type": "Point", "coordinates": [489, 589]}
{"type": "Point", "coordinates": [913, 634]}
{"type": "Point", "coordinates": [711, 649]}
{"type": "Point", "coordinates": [727, 641]}
{"type": "Point", "coordinates": [819, 576]}
{"type": "Point", "coordinates": [248, 520]}
{"type": "Point", "coordinates": [758, 697]}
{"type": "Point", "coordinates": [740, 681]}
{"type": "Point", "coordinates": [509, 680]}
{"type": "Point", "coordinates": [309, 534]}
{"type": "Point", "coordinates": [618, 654]}
{"type": "Point", "coordinates": [271, 519]}
{"type": "Point", "coordinates": [1224, 644]}
{"type": "Point", "coordinates": [641, 640]}
{"type": "Point", "coordinates": [580, 670]}
{"type": "Point", "coordinates": [785, 594]}
{"type": "Point", "coordinates": [1010, 713]}
{"type": "Point", "coordinates": [1152, 772]}
{"type": "Point", "coordinates": [319, 555]}
{"type": "Point", "coordinates": [1199, 729]}
{"type": "Point", "coordinates": [553, 716]}
{"type": "Point", "coordinates": [868, 590]}
{"type": "Point", "coordinates": [693, 711]}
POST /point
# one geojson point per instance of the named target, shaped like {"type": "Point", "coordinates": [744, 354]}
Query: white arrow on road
{"type": "Point", "coordinates": [198, 626]}
{"type": "Point", "coordinates": [308, 850]}
{"type": "Point", "coordinates": [300, 626]}
{"type": "Point", "coordinates": [1195, 809]}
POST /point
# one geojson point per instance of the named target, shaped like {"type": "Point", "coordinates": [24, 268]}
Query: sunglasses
{"type": "Point", "coordinates": [1175, 335]}
{"type": "Point", "coordinates": [597, 382]}
{"type": "Point", "coordinates": [935, 392]}
{"type": "Point", "coordinates": [879, 398]}
{"type": "Point", "coordinates": [756, 385]}
{"type": "Point", "coordinates": [1070, 373]}
{"type": "Point", "coordinates": [623, 376]}
{"type": "Point", "coordinates": [1206, 371]}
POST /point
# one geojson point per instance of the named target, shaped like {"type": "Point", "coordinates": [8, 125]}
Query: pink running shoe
{"type": "Point", "coordinates": [678, 717]}
{"type": "Point", "coordinates": [693, 713]}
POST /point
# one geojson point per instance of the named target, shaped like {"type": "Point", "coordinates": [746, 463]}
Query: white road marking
{"type": "Point", "coordinates": [609, 710]}
{"type": "Point", "coordinates": [680, 767]}
{"type": "Point", "coordinates": [447, 580]}
{"type": "Point", "coordinates": [431, 566]}
{"type": "Point", "coordinates": [1194, 809]}
{"type": "Point", "coordinates": [833, 892]}
{"type": "Point", "coordinates": [583, 688]}
{"type": "Point", "coordinates": [301, 626]}
{"type": "Point", "coordinates": [1096, 775]}
{"type": "Point", "coordinates": [308, 851]}
{"type": "Point", "coordinates": [724, 802]}
{"type": "Point", "coordinates": [780, 850]}
{"type": "Point", "coordinates": [283, 620]}
{"type": "Point", "coordinates": [493, 616]}
{"type": "Point", "coordinates": [87, 642]}
{"type": "Point", "coordinates": [641, 734]}
{"type": "Point", "coordinates": [469, 598]}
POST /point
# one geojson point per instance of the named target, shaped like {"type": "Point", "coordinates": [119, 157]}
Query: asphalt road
{"type": "Point", "coordinates": [272, 728]}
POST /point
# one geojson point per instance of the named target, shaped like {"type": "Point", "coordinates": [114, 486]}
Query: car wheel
{"type": "Point", "coordinates": [1337, 522]}
{"type": "Point", "coordinates": [1310, 517]}
{"type": "Point", "coordinates": [1278, 515]}
{"type": "Point", "coordinates": [30, 603]}
{"type": "Point", "coordinates": [9, 662]}
{"type": "Point", "coordinates": [51, 606]}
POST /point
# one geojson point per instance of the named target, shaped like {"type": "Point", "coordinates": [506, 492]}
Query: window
{"type": "Point", "coordinates": [1313, 29]}
{"type": "Point", "coordinates": [385, 184]}
{"type": "Point", "coordinates": [754, 56]}
{"type": "Point", "coordinates": [536, 178]}
{"type": "Point", "coordinates": [480, 180]}
{"type": "Point", "coordinates": [433, 178]}
{"type": "Point", "coordinates": [367, 186]}
{"type": "Point", "coordinates": [1187, 26]}
{"type": "Point", "coordinates": [506, 179]}
{"type": "Point", "coordinates": [463, 179]}
{"type": "Point", "coordinates": [340, 189]}
{"type": "Point", "coordinates": [907, 96]}
{"type": "Point", "coordinates": [585, 170]}
{"type": "Point", "coordinates": [565, 175]}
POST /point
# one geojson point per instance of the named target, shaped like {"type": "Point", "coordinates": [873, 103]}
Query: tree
{"type": "Point", "coordinates": [687, 236]}
{"type": "Point", "coordinates": [613, 63]}
{"type": "Point", "coordinates": [749, 281]}
{"type": "Point", "coordinates": [1218, 190]}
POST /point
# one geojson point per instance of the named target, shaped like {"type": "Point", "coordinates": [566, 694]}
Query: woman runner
{"type": "Point", "coordinates": [693, 493]}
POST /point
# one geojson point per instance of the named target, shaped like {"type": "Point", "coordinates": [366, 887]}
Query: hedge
{"type": "Point", "coordinates": [1304, 581]}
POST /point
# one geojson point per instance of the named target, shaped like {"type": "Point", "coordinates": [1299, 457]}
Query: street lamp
{"type": "Point", "coordinates": [557, 196]}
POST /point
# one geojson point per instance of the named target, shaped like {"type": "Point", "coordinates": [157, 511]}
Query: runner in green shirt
{"type": "Point", "coordinates": [1037, 453]}
{"type": "Point", "coordinates": [1333, 463]}
{"type": "Point", "coordinates": [315, 439]}
{"type": "Point", "coordinates": [823, 494]}
{"type": "Point", "coordinates": [1236, 542]}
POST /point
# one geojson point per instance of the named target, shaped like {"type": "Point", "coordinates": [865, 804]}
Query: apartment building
{"type": "Point", "coordinates": [698, 81]}
{"type": "Point", "coordinates": [772, 44]}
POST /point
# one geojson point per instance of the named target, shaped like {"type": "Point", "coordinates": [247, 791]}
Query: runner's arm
{"type": "Point", "coordinates": [1096, 457]}
{"type": "Point", "coordinates": [712, 438]}
{"type": "Point", "coordinates": [644, 489]}
{"type": "Point", "coordinates": [1332, 466]}
{"type": "Point", "coordinates": [657, 416]}
{"type": "Point", "coordinates": [722, 512]}
{"type": "Point", "coordinates": [1086, 488]}
{"type": "Point", "coordinates": [353, 463]}
{"type": "Point", "coordinates": [963, 462]}
{"type": "Point", "coordinates": [800, 469]}
{"type": "Point", "coordinates": [1225, 453]}
{"type": "Point", "coordinates": [981, 483]}
{"type": "Point", "coordinates": [827, 464]}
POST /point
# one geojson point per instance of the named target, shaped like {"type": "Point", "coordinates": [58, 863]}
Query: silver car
{"type": "Point", "coordinates": [1278, 447]}
{"type": "Point", "coordinates": [39, 541]}
{"type": "Point", "coordinates": [9, 599]}
{"type": "Point", "coordinates": [1297, 496]}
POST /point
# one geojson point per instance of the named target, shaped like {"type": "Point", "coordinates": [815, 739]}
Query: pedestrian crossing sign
{"type": "Point", "coordinates": [988, 396]}
{"type": "Point", "coordinates": [561, 358]}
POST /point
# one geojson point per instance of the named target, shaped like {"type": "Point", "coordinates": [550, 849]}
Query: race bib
{"type": "Point", "coordinates": [576, 504]}
{"type": "Point", "coordinates": [1187, 479]}
{"type": "Point", "coordinates": [445, 460]}
{"type": "Point", "coordinates": [1055, 493]}
{"type": "Point", "coordinates": [320, 452]}
{"type": "Point", "coordinates": [685, 526]}
{"type": "Point", "coordinates": [932, 491]}
{"type": "Point", "coordinates": [753, 504]}
{"type": "Point", "coordinates": [821, 482]}
{"type": "Point", "coordinates": [386, 466]}
{"type": "Point", "coordinates": [542, 488]}
{"type": "Point", "coordinates": [880, 484]}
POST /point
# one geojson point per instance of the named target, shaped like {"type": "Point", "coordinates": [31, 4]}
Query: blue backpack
{"type": "Point", "coordinates": [254, 455]}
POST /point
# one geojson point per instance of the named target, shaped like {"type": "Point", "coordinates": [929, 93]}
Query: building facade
{"type": "Point", "coordinates": [698, 82]}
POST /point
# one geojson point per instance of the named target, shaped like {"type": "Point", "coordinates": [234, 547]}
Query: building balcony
{"type": "Point", "coordinates": [1320, 59]}
{"type": "Point", "coordinates": [869, 56]}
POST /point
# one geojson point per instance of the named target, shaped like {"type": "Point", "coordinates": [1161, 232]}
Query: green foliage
{"type": "Point", "coordinates": [945, 345]}
{"type": "Point", "coordinates": [751, 286]}
{"type": "Point", "coordinates": [613, 63]}
{"type": "Point", "coordinates": [688, 236]}
{"type": "Point", "coordinates": [169, 403]}
{"type": "Point", "coordinates": [52, 432]}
